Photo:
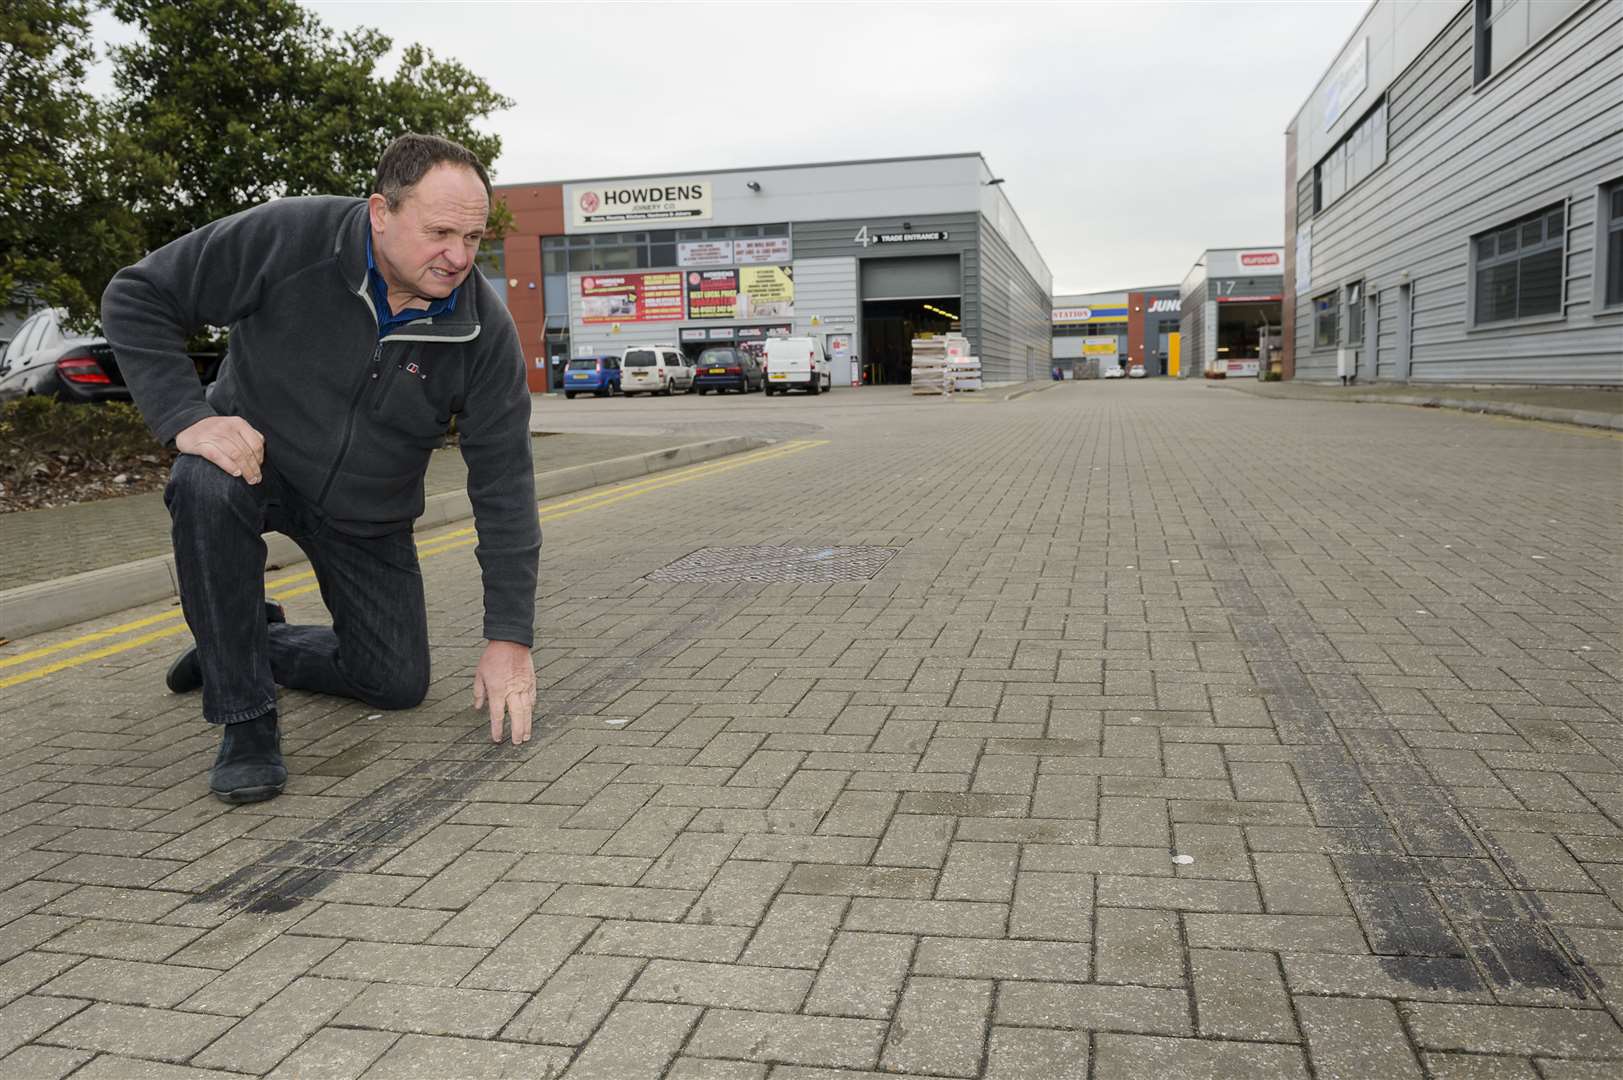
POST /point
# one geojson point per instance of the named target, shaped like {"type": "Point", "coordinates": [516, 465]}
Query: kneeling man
{"type": "Point", "coordinates": [358, 331]}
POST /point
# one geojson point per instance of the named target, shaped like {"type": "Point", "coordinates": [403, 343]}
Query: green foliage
{"type": "Point", "coordinates": [246, 100]}
{"type": "Point", "coordinates": [220, 105]}
{"type": "Point", "coordinates": [66, 226]}
{"type": "Point", "coordinates": [42, 436]}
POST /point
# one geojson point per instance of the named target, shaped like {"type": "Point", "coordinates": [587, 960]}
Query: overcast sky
{"type": "Point", "coordinates": [1132, 136]}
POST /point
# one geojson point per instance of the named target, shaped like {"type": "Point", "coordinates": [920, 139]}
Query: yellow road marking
{"type": "Point", "coordinates": [665, 479]}
{"type": "Point", "coordinates": [279, 588]}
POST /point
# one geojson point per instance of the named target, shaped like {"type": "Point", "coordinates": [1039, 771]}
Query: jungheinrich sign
{"type": "Point", "coordinates": [634, 201]}
{"type": "Point", "coordinates": [1164, 306]}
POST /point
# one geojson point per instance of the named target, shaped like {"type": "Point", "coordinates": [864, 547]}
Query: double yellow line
{"type": "Point", "coordinates": [283, 588]}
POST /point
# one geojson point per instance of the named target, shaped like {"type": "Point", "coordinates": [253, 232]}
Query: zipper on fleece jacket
{"type": "Point", "coordinates": [374, 371]}
{"type": "Point", "coordinates": [349, 423]}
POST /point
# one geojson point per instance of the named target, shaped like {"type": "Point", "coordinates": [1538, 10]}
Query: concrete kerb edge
{"type": "Point", "coordinates": [51, 605]}
{"type": "Point", "coordinates": [1517, 409]}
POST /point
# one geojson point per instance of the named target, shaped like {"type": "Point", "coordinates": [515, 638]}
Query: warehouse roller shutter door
{"type": "Point", "coordinates": [917, 277]}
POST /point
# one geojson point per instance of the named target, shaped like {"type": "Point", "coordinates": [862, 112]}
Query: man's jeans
{"type": "Point", "coordinates": [377, 647]}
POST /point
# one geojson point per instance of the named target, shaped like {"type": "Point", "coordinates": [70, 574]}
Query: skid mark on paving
{"type": "Point", "coordinates": [375, 828]}
{"type": "Point", "coordinates": [1424, 884]}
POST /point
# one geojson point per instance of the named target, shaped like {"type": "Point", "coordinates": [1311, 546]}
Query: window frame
{"type": "Point", "coordinates": [1608, 232]}
{"type": "Point", "coordinates": [1353, 299]}
{"type": "Point", "coordinates": [1474, 267]}
{"type": "Point", "coordinates": [1332, 340]}
{"type": "Point", "coordinates": [1332, 173]}
{"type": "Point", "coordinates": [1483, 19]}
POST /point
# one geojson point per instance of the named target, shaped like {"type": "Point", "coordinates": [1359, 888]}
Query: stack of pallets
{"type": "Point", "coordinates": [930, 366]}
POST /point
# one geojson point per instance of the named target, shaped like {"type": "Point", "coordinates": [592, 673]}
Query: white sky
{"type": "Point", "coordinates": [1132, 136]}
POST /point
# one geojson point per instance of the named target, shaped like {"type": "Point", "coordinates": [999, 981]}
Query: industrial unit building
{"type": "Point", "coordinates": [863, 254]}
{"type": "Point", "coordinates": [1454, 197]}
{"type": "Point", "coordinates": [1096, 331]}
{"type": "Point", "coordinates": [1231, 315]}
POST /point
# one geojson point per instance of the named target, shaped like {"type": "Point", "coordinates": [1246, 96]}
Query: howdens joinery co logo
{"type": "Point", "coordinates": [605, 205]}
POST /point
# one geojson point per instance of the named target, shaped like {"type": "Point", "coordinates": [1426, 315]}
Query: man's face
{"type": "Point", "coordinates": [425, 246]}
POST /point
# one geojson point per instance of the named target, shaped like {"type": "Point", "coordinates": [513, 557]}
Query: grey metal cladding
{"type": "Point", "coordinates": [1017, 313]}
{"type": "Point", "coordinates": [1545, 130]}
{"type": "Point", "coordinates": [823, 239]}
{"type": "Point", "coordinates": [1440, 75]}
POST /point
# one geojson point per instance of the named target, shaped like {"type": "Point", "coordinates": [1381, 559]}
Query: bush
{"type": "Point", "coordinates": [1270, 376]}
{"type": "Point", "coordinates": [40, 436]}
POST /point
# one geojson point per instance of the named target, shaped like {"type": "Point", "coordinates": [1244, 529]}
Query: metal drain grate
{"type": "Point", "coordinates": [760, 562]}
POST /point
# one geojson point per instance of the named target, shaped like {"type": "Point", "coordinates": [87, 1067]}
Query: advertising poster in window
{"type": "Point", "coordinates": [712, 294]}
{"type": "Point", "coordinates": [612, 298]}
{"type": "Point", "coordinates": [766, 292]}
{"type": "Point", "coordinates": [704, 253]}
{"type": "Point", "coordinates": [761, 249]}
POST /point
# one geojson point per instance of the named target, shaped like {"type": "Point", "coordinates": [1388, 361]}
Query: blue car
{"type": "Point", "coordinates": [597, 375]}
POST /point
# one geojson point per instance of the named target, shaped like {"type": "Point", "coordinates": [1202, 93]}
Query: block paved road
{"type": "Point", "coordinates": [1183, 734]}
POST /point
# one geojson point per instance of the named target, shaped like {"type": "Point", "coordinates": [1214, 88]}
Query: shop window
{"type": "Point", "coordinates": [1516, 268]}
{"type": "Point", "coordinates": [1326, 333]}
{"type": "Point", "coordinates": [554, 261]}
{"type": "Point", "coordinates": [1611, 243]}
{"type": "Point", "coordinates": [662, 255]}
{"type": "Point", "coordinates": [580, 258]}
{"type": "Point", "coordinates": [1355, 313]}
{"type": "Point", "coordinates": [775, 230]}
{"type": "Point", "coordinates": [1506, 28]}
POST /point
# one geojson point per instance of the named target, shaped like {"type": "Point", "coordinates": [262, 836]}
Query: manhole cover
{"type": "Point", "coordinates": [760, 562]}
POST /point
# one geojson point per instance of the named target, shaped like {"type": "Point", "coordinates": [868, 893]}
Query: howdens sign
{"type": "Point", "coordinates": [631, 203]}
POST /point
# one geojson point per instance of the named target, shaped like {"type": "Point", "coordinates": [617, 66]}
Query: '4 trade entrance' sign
{"type": "Point", "coordinates": [864, 237]}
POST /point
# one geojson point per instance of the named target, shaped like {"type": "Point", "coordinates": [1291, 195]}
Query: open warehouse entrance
{"type": "Point", "coordinates": [901, 299]}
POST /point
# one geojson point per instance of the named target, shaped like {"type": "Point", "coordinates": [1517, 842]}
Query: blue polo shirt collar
{"type": "Point", "coordinates": [388, 321]}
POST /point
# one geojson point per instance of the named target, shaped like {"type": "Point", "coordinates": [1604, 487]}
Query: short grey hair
{"type": "Point", "coordinates": [407, 159]}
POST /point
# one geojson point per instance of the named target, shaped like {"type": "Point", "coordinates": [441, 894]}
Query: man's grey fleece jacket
{"type": "Point", "coordinates": [349, 421]}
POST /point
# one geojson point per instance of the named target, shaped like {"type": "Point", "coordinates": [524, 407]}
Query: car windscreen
{"type": "Point", "coordinates": [718, 356]}
{"type": "Point", "coordinates": [640, 358]}
{"type": "Point", "coordinates": [583, 365]}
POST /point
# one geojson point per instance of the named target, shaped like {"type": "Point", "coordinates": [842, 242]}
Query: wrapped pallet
{"type": "Point", "coordinates": [930, 366]}
{"type": "Point", "coordinates": [964, 372]}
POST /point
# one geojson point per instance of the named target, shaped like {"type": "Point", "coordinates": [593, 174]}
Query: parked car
{"type": "Point", "coordinates": [725, 368]}
{"type": "Point", "coordinates": [1135, 371]}
{"type": "Point", "coordinates": [48, 358]}
{"type": "Point", "coordinates": [1113, 373]}
{"type": "Point", "coordinates": [797, 362]}
{"type": "Point", "coordinates": [596, 375]}
{"type": "Point", "coordinates": [655, 369]}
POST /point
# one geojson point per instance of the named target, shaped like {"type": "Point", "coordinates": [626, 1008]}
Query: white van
{"type": "Point", "coordinates": [655, 369]}
{"type": "Point", "coordinates": [797, 362]}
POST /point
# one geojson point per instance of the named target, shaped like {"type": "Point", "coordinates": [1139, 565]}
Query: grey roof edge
{"type": "Point", "coordinates": [750, 168]}
{"type": "Point", "coordinates": [1128, 289]}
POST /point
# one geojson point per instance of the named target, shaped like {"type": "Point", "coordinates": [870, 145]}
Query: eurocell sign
{"type": "Point", "coordinates": [634, 202]}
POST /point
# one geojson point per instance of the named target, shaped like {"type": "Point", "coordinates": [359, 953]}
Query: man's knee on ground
{"type": "Point", "coordinates": [198, 486]}
{"type": "Point", "coordinates": [398, 691]}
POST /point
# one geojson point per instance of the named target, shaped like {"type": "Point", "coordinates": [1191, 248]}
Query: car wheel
{"type": "Point", "coordinates": [569, 395]}
{"type": "Point", "coordinates": [601, 393]}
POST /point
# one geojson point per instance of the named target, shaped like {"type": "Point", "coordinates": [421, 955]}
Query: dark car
{"type": "Point", "coordinates": [599, 375]}
{"type": "Point", "coordinates": [47, 358]}
{"type": "Point", "coordinates": [722, 369]}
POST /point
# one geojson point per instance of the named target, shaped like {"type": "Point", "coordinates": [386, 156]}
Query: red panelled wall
{"type": "Point", "coordinates": [538, 210]}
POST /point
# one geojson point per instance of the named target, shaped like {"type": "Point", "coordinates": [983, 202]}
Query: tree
{"type": "Point", "coordinates": [221, 104]}
{"type": "Point", "coordinates": [64, 229]}
{"type": "Point", "coordinates": [245, 100]}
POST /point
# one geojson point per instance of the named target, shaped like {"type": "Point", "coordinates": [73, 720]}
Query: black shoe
{"type": "Point", "coordinates": [186, 674]}
{"type": "Point", "coordinates": [249, 768]}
